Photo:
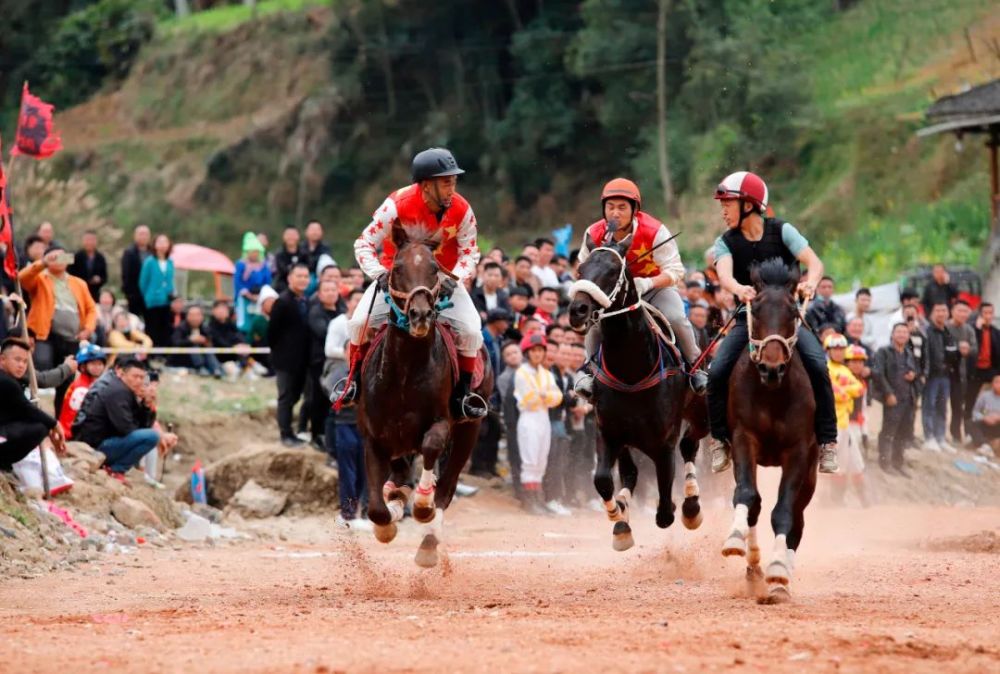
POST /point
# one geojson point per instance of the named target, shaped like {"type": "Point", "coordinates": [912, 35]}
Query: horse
{"type": "Point", "coordinates": [641, 396]}
{"type": "Point", "coordinates": [403, 406]}
{"type": "Point", "coordinates": [771, 412]}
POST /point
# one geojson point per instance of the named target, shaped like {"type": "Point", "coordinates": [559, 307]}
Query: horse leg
{"type": "Point", "coordinates": [434, 442]}
{"type": "Point", "coordinates": [377, 471]}
{"type": "Point", "coordinates": [783, 519]}
{"type": "Point", "coordinates": [691, 508]}
{"type": "Point", "coordinates": [805, 493]}
{"type": "Point", "coordinates": [617, 509]}
{"type": "Point", "coordinates": [397, 489]}
{"type": "Point", "coordinates": [745, 498]}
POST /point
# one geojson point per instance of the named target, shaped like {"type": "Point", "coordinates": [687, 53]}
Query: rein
{"type": "Point", "coordinates": [602, 298]}
{"type": "Point", "coordinates": [658, 374]}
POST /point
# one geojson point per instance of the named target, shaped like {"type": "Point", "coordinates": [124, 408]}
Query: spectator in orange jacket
{"type": "Point", "coordinates": [62, 311]}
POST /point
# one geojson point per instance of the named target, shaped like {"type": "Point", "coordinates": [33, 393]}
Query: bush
{"type": "Point", "coordinates": [91, 45]}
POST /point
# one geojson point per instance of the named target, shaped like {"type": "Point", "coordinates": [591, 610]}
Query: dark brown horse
{"type": "Point", "coordinates": [641, 395]}
{"type": "Point", "coordinates": [771, 411]}
{"type": "Point", "coordinates": [403, 408]}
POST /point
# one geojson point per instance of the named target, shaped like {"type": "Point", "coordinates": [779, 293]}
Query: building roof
{"type": "Point", "coordinates": [974, 111]}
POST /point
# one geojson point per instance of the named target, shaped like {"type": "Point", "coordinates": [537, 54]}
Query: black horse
{"type": "Point", "coordinates": [641, 394]}
{"type": "Point", "coordinates": [403, 408]}
{"type": "Point", "coordinates": [771, 412]}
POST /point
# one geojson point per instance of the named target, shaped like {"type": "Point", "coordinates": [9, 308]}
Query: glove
{"type": "Point", "coordinates": [643, 285]}
{"type": "Point", "coordinates": [382, 283]}
{"type": "Point", "coordinates": [448, 286]}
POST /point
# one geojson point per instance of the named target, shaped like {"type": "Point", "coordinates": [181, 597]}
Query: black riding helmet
{"type": "Point", "coordinates": [434, 162]}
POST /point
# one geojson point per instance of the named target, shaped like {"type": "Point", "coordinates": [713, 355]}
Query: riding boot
{"type": "Point", "coordinates": [699, 382]}
{"type": "Point", "coordinates": [465, 405]}
{"type": "Point", "coordinates": [352, 382]}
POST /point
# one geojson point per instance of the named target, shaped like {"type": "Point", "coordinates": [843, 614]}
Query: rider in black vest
{"type": "Point", "coordinates": [751, 239]}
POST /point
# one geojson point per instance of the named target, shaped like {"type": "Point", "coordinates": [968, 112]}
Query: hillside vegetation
{"type": "Point", "coordinates": [223, 122]}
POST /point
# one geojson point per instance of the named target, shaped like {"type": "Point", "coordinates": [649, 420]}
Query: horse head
{"type": "Point", "coordinates": [772, 319]}
{"type": "Point", "coordinates": [603, 282]}
{"type": "Point", "coordinates": [414, 283]}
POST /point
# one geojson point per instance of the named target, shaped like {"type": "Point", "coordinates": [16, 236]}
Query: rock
{"type": "Point", "coordinates": [133, 513]}
{"type": "Point", "coordinates": [253, 500]}
{"type": "Point", "coordinates": [302, 475]}
{"type": "Point", "coordinates": [89, 457]}
{"type": "Point", "coordinates": [211, 514]}
{"type": "Point", "coordinates": [197, 528]}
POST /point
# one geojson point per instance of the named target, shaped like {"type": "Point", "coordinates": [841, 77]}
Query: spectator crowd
{"type": "Point", "coordinates": [942, 359]}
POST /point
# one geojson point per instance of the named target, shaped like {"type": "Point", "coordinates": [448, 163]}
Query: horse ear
{"type": "Point", "coordinates": [794, 276]}
{"type": "Point", "coordinates": [755, 276]}
{"type": "Point", "coordinates": [399, 237]}
{"type": "Point", "coordinates": [625, 244]}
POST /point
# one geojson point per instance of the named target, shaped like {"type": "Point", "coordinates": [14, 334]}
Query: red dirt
{"type": "Point", "coordinates": [518, 593]}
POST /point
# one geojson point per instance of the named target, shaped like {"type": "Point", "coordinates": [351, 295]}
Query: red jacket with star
{"type": "Point", "coordinates": [455, 233]}
{"type": "Point", "coordinates": [72, 401]}
{"type": "Point", "coordinates": [647, 232]}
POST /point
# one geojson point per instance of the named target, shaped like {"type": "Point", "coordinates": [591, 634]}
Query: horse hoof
{"type": "Point", "coordinates": [664, 520]}
{"type": "Point", "coordinates": [734, 546]}
{"type": "Point", "coordinates": [777, 573]}
{"type": "Point", "coordinates": [385, 534]}
{"type": "Point", "coordinates": [693, 522]}
{"type": "Point", "coordinates": [754, 573]}
{"type": "Point", "coordinates": [621, 539]}
{"type": "Point", "coordinates": [427, 553]}
{"type": "Point", "coordinates": [776, 594]}
{"type": "Point", "coordinates": [424, 514]}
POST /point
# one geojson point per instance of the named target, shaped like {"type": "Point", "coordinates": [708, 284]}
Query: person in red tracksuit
{"type": "Point", "coordinates": [92, 361]}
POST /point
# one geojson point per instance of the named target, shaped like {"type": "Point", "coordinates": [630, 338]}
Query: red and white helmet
{"type": "Point", "coordinates": [743, 185]}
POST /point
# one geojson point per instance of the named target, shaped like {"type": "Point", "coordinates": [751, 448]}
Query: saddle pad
{"type": "Point", "coordinates": [448, 337]}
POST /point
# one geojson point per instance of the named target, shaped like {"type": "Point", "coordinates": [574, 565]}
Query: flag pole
{"type": "Point", "coordinates": [23, 320]}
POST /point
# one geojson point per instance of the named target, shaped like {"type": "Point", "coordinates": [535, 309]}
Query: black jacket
{"type": "Point", "coordinates": [936, 293]}
{"type": "Point", "coordinates": [288, 334]}
{"type": "Point", "coordinates": [823, 313]}
{"type": "Point", "coordinates": [15, 407]}
{"type": "Point", "coordinates": [319, 320]}
{"type": "Point", "coordinates": [888, 370]}
{"type": "Point", "coordinates": [109, 410]}
{"type": "Point", "coordinates": [99, 269]}
{"type": "Point", "coordinates": [283, 263]}
{"type": "Point", "coordinates": [312, 256]}
{"type": "Point", "coordinates": [942, 356]}
{"type": "Point", "coordinates": [132, 260]}
{"type": "Point", "coordinates": [225, 335]}
{"type": "Point", "coordinates": [479, 299]}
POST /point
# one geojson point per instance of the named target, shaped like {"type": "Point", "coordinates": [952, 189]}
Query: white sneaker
{"type": "Point", "coordinates": [557, 508]}
{"type": "Point", "coordinates": [946, 446]}
{"type": "Point", "coordinates": [931, 445]}
{"type": "Point", "coordinates": [465, 490]}
{"type": "Point", "coordinates": [341, 523]}
{"type": "Point", "coordinates": [986, 450]}
{"type": "Point", "coordinates": [361, 524]}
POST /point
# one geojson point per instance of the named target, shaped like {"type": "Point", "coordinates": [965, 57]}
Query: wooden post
{"type": "Point", "coordinates": [992, 144]}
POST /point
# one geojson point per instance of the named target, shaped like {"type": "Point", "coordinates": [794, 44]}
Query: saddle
{"type": "Point", "coordinates": [448, 337]}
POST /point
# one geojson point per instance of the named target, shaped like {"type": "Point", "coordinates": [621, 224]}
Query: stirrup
{"type": "Point", "coordinates": [584, 387]}
{"type": "Point", "coordinates": [471, 407]}
{"type": "Point", "coordinates": [348, 398]}
{"type": "Point", "coordinates": [702, 388]}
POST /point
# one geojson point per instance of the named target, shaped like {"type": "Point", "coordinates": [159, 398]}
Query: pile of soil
{"type": "Point", "coordinates": [985, 541]}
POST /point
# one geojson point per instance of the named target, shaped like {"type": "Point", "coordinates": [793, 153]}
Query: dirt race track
{"type": "Point", "coordinates": [890, 589]}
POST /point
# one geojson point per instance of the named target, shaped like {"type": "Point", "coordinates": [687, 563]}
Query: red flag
{"type": "Point", "coordinates": [35, 135]}
{"type": "Point", "coordinates": [6, 226]}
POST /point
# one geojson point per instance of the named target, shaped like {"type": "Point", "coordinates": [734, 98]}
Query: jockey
{"type": "Point", "coordinates": [430, 205]}
{"type": "Point", "coordinates": [751, 239]}
{"type": "Point", "coordinates": [656, 275]}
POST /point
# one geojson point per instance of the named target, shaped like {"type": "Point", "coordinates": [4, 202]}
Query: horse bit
{"type": "Point", "coordinates": [602, 298]}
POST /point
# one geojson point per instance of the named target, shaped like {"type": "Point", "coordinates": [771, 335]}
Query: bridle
{"type": "Point", "coordinates": [598, 295]}
{"type": "Point", "coordinates": [401, 315]}
{"type": "Point", "coordinates": [756, 346]}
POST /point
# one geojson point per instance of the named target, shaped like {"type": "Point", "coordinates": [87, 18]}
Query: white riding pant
{"type": "Point", "coordinates": [534, 438]}
{"type": "Point", "coordinates": [463, 316]}
{"type": "Point", "coordinates": [670, 304]}
{"type": "Point", "coordinates": [849, 450]}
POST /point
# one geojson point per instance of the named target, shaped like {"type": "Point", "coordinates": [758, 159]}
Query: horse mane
{"type": "Point", "coordinates": [773, 273]}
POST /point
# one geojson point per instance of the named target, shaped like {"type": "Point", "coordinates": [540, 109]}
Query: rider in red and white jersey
{"type": "Point", "coordinates": [429, 208]}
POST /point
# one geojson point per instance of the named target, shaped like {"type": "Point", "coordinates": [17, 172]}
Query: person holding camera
{"type": "Point", "coordinates": [62, 312]}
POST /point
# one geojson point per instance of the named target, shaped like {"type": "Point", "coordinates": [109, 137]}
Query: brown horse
{"type": "Point", "coordinates": [403, 408]}
{"type": "Point", "coordinates": [771, 411]}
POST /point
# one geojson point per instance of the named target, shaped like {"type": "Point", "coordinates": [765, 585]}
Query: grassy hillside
{"type": "Point", "coordinates": [228, 123]}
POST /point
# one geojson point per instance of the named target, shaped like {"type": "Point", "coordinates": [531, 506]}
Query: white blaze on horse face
{"type": "Point", "coordinates": [418, 258]}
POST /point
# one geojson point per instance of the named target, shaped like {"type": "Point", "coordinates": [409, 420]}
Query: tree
{"type": "Point", "coordinates": [663, 161]}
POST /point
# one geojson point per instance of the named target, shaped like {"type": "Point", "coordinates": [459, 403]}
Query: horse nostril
{"type": "Point", "coordinates": [781, 370]}
{"type": "Point", "coordinates": [763, 369]}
